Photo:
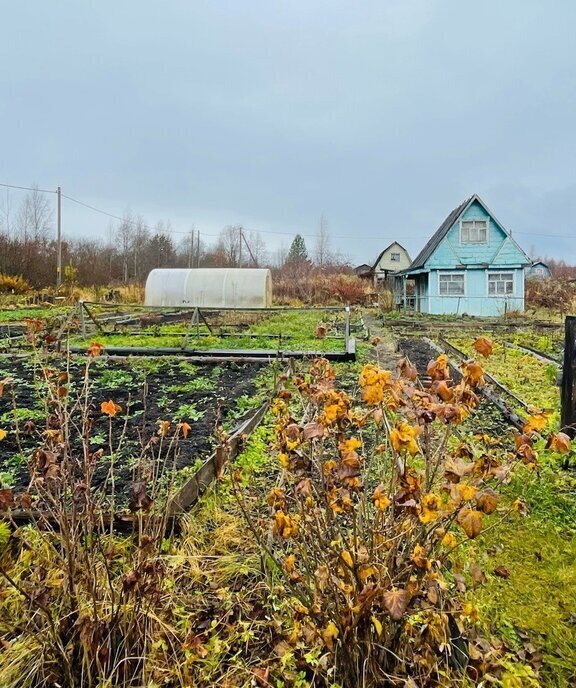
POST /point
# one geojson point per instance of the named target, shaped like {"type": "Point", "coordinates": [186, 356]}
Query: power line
{"type": "Point", "coordinates": [262, 231]}
{"type": "Point", "coordinates": [28, 188]}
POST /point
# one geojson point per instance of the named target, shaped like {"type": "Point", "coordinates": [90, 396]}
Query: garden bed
{"type": "Point", "coordinates": [168, 415]}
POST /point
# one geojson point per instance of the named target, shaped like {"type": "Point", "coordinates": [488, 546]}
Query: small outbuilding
{"type": "Point", "coordinates": [391, 260]}
{"type": "Point", "coordinates": [209, 287]}
{"type": "Point", "coordinates": [538, 270]}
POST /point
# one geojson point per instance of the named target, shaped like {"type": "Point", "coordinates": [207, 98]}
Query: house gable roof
{"type": "Point", "coordinates": [434, 241]}
{"type": "Point", "coordinates": [394, 243]}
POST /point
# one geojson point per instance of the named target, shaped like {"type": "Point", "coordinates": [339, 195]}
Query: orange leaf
{"type": "Point", "coordinates": [185, 427]}
{"type": "Point", "coordinates": [484, 346]}
{"type": "Point", "coordinates": [110, 408]}
{"type": "Point", "coordinates": [164, 426]}
{"type": "Point", "coordinates": [559, 442]}
{"type": "Point", "coordinates": [535, 423]}
{"type": "Point", "coordinates": [471, 522]}
{"type": "Point", "coordinates": [95, 349]}
{"type": "Point", "coordinates": [487, 500]}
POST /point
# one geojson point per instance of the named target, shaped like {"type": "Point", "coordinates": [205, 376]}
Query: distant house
{"type": "Point", "coordinates": [391, 260]}
{"type": "Point", "coordinates": [470, 265]}
{"type": "Point", "coordinates": [364, 271]}
{"type": "Point", "coordinates": [538, 270]}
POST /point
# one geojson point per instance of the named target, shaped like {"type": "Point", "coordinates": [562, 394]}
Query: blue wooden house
{"type": "Point", "coordinates": [470, 265]}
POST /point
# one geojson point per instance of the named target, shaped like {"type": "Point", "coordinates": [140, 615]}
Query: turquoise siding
{"type": "Point", "coordinates": [476, 300]}
{"type": "Point", "coordinates": [499, 250]}
{"type": "Point", "coordinates": [475, 260]}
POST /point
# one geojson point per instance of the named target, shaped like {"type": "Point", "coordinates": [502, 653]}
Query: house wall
{"type": "Point", "coordinates": [475, 260]}
{"type": "Point", "coordinates": [386, 264]}
{"type": "Point", "coordinates": [538, 271]}
{"type": "Point", "coordinates": [476, 300]}
{"type": "Point", "coordinates": [498, 251]}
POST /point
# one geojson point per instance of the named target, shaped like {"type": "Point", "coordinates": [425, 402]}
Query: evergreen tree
{"type": "Point", "coordinates": [297, 252]}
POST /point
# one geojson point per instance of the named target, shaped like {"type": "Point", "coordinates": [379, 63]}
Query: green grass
{"type": "Point", "coordinates": [530, 379]}
{"type": "Point", "coordinates": [290, 330]}
{"type": "Point", "coordinates": [19, 314]}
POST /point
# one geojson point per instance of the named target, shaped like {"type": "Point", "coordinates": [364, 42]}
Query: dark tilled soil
{"type": "Point", "coordinates": [486, 418]}
{"type": "Point", "coordinates": [145, 395]}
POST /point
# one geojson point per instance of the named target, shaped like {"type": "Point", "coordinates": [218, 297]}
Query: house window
{"type": "Point", "coordinates": [395, 257]}
{"type": "Point", "coordinates": [451, 284]}
{"type": "Point", "coordinates": [473, 231]}
{"type": "Point", "coordinates": [500, 283]}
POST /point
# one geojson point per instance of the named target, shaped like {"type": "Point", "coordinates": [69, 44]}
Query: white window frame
{"type": "Point", "coordinates": [459, 273]}
{"type": "Point", "coordinates": [393, 259]}
{"type": "Point", "coordinates": [489, 273]}
{"type": "Point", "coordinates": [468, 243]}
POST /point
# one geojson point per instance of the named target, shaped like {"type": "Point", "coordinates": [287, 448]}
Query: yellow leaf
{"type": "Point", "coordinates": [380, 498]}
{"type": "Point", "coordinates": [367, 570]}
{"type": "Point", "coordinates": [403, 438]}
{"type": "Point", "coordinates": [290, 563]}
{"type": "Point", "coordinates": [449, 541]}
{"type": "Point", "coordinates": [347, 558]}
{"type": "Point", "coordinates": [535, 423]}
{"type": "Point", "coordinates": [429, 506]}
{"type": "Point", "coordinates": [467, 492]}
{"type": "Point", "coordinates": [3, 434]}
{"type": "Point", "coordinates": [377, 625]}
{"type": "Point", "coordinates": [329, 634]}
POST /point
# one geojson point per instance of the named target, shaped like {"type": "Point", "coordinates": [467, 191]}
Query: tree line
{"type": "Point", "coordinates": [131, 248]}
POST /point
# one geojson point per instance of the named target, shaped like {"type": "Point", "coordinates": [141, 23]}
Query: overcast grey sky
{"type": "Point", "coordinates": [381, 114]}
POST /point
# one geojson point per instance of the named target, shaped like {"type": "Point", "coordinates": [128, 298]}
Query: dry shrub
{"type": "Point", "coordinates": [316, 288]}
{"type": "Point", "coordinates": [557, 294]}
{"type": "Point", "coordinates": [80, 605]}
{"type": "Point", "coordinates": [373, 496]}
{"type": "Point", "coordinates": [13, 284]}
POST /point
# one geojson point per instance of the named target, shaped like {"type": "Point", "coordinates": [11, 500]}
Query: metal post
{"type": "Point", "coordinates": [59, 239]}
{"type": "Point", "coordinates": [240, 247]}
{"type": "Point", "coordinates": [568, 415]}
{"type": "Point", "coordinates": [191, 248]}
{"type": "Point", "coordinates": [404, 292]}
{"type": "Point", "coordinates": [198, 248]}
{"type": "Point", "coordinates": [82, 318]}
{"type": "Point", "coordinates": [346, 327]}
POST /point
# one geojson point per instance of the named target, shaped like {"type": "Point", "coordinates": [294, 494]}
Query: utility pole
{"type": "Point", "coordinates": [59, 240]}
{"type": "Point", "coordinates": [239, 247]}
{"type": "Point", "coordinates": [191, 251]}
{"type": "Point", "coordinates": [198, 248]}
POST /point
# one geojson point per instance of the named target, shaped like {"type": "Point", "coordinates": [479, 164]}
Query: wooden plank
{"type": "Point", "coordinates": [568, 390]}
{"type": "Point", "coordinates": [263, 354]}
{"type": "Point", "coordinates": [190, 492]}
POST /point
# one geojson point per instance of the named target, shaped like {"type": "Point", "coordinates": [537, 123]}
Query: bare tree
{"type": "Point", "coordinates": [125, 239]}
{"type": "Point", "coordinates": [322, 251]}
{"type": "Point", "coordinates": [229, 246]}
{"type": "Point", "coordinates": [34, 220]}
{"type": "Point", "coordinates": [255, 248]}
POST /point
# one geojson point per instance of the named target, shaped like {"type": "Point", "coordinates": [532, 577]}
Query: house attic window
{"type": "Point", "coordinates": [395, 257]}
{"type": "Point", "coordinates": [473, 231]}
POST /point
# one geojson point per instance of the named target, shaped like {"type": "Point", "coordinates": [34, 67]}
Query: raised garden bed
{"type": "Point", "coordinates": [170, 417]}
